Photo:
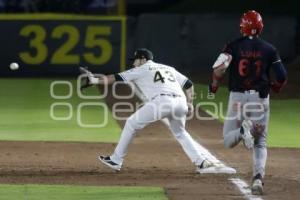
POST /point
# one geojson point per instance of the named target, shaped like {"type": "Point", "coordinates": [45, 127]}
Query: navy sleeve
{"type": "Point", "coordinates": [280, 71]}
{"type": "Point", "coordinates": [275, 56]}
{"type": "Point", "coordinates": [278, 67]}
{"type": "Point", "coordinates": [118, 77]}
{"type": "Point", "coordinates": [188, 84]}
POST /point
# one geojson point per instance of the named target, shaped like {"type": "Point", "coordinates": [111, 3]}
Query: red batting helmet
{"type": "Point", "coordinates": [251, 23]}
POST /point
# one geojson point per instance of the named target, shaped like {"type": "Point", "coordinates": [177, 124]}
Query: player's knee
{"type": "Point", "coordinates": [177, 135]}
{"type": "Point", "coordinates": [133, 124]}
{"type": "Point", "coordinates": [177, 132]}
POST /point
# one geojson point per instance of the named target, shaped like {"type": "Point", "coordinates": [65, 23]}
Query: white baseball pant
{"type": "Point", "coordinates": [172, 108]}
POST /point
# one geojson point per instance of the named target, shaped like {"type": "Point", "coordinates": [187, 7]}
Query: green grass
{"type": "Point", "coordinates": [66, 192]}
{"type": "Point", "coordinates": [221, 100]}
{"type": "Point", "coordinates": [284, 117]}
{"type": "Point", "coordinates": [284, 123]}
{"type": "Point", "coordinates": [25, 114]}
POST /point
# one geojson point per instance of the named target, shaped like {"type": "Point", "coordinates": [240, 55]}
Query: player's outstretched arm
{"type": "Point", "coordinates": [105, 80]}
{"type": "Point", "coordinates": [97, 80]}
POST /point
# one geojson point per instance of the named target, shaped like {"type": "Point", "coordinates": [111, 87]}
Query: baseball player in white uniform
{"type": "Point", "coordinates": [163, 87]}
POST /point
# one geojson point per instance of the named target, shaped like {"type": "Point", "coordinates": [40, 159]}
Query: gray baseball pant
{"type": "Point", "coordinates": [248, 105]}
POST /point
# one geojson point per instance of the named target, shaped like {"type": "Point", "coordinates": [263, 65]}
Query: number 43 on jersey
{"type": "Point", "coordinates": [167, 74]}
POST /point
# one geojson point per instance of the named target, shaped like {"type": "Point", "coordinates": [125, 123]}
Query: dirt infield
{"type": "Point", "coordinates": [154, 159]}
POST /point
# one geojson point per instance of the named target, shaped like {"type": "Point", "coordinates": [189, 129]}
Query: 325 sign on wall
{"type": "Point", "coordinates": [94, 37]}
{"type": "Point", "coordinates": [59, 46]}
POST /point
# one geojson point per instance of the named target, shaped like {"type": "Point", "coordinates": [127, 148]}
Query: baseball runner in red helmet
{"type": "Point", "coordinates": [249, 61]}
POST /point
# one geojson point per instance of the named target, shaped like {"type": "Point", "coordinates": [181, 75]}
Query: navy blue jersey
{"type": "Point", "coordinates": [251, 62]}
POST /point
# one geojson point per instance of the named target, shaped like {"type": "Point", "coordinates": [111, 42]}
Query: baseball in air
{"type": "Point", "coordinates": [14, 66]}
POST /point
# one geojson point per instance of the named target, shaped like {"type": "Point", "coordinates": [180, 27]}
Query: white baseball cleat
{"type": "Point", "coordinates": [257, 187]}
{"type": "Point", "coordinates": [208, 167]}
{"type": "Point", "coordinates": [108, 162]}
{"type": "Point", "coordinates": [246, 134]}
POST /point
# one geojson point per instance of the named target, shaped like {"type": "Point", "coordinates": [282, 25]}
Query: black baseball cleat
{"type": "Point", "coordinates": [257, 185]}
{"type": "Point", "coordinates": [108, 162]}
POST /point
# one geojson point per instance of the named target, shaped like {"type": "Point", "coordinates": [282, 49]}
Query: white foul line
{"type": "Point", "coordinates": [239, 183]}
{"type": "Point", "coordinates": [244, 189]}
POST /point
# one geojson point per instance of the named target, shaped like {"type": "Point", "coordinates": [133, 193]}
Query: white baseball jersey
{"type": "Point", "coordinates": [154, 79]}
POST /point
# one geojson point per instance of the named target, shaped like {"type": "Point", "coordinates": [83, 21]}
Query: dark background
{"type": "Point", "coordinates": [137, 7]}
{"type": "Point", "coordinates": [187, 34]}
